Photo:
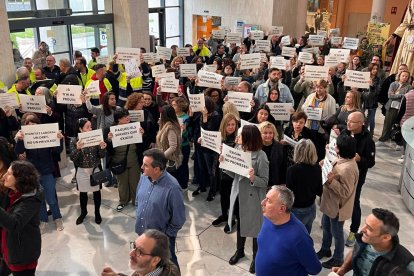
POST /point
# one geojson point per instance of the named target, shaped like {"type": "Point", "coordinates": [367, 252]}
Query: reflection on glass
{"type": "Point", "coordinates": [172, 41]}
{"type": "Point", "coordinates": [154, 3]}
{"type": "Point", "coordinates": [171, 3]}
{"type": "Point", "coordinates": [172, 21]}
{"type": "Point", "coordinates": [16, 5]}
{"type": "Point", "coordinates": [24, 42]}
{"type": "Point", "coordinates": [46, 5]}
{"type": "Point", "coordinates": [154, 25]}
{"type": "Point", "coordinates": [80, 5]}
{"type": "Point", "coordinates": [56, 37]}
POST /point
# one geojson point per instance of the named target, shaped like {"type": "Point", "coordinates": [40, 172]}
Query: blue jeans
{"type": "Point", "coordinates": [371, 119]}
{"type": "Point", "coordinates": [48, 184]}
{"type": "Point", "coordinates": [333, 228]}
{"type": "Point", "coordinates": [306, 216]}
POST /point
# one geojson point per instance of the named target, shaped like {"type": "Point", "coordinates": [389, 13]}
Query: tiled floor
{"type": "Point", "coordinates": [202, 249]}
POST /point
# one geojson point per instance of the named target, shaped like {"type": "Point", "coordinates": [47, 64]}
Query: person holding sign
{"type": "Point", "coordinates": [219, 53]}
{"type": "Point", "coordinates": [355, 63]}
{"type": "Point", "coordinates": [104, 84]}
{"type": "Point", "coordinates": [86, 160]}
{"type": "Point", "coordinates": [105, 112]}
{"type": "Point", "coordinates": [44, 161]}
{"type": "Point", "coordinates": [51, 116]}
{"type": "Point", "coordinates": [21, 85]}
{"type": "Point", "coordinates": [262, 115]}
{"type": "Point", "coordinates": [339, 120]}
{"type": "Point", "coordinates": [247, 193]}
{"type": "Point", "coordinates": [201, 50]}
{"type": "Point", "coordinates": [338, 200]}
{"type": "Point", "coordinates": [274, 81]}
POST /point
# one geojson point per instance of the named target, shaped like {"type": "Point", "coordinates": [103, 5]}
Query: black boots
{"type": "Point", "coordinates": [83, 197]}
{"type": "Point", "coordinates": [236, 257]}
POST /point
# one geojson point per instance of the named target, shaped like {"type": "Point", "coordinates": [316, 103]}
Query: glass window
{"type": "Point", "coordinates": [172, 17]}
{"type": "Point", "coordinates": [58, 57]}
{"type": "Point", "coordinates": [24, 42]}
{"type": "Point", "coordinates": [172, 41]}
{"type": "Point", "coordinates": [83, 37]}
{"type": "Point", "coordinates": [56, 37]}
{"type": "Point", "coordinates": [154, 25]}
{"type": "Point", "coordinates": [18, 5]}
{"type": "Point", "coordinates": [172, 3]}
{"type": "Point", "coordinates": [46, 5]}
{"type": "Point", "coordinates": [154, 3]}
{"type": "Point", "coordinates": [80, 5]}
{"type": "Point", "coordinates": [101, 5]}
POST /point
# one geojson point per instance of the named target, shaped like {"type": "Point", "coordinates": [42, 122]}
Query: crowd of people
{"type": "Point", "coordinates": [275, 204]}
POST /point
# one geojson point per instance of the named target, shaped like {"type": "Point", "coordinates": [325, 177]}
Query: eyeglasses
{"type": "Point", "coordinates": [137, 251]}
{"type": "Point", "coordinates": [352, 122]}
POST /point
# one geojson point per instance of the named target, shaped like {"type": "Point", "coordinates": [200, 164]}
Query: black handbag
{"type": "Point", "coordinates": [396, 135]}
{"type": "Point", "coordinates": [118, 168]}
{"type": "Point", "coordinates": [171, 168]}
{"type": "Point", "coordinates": [98, 178]}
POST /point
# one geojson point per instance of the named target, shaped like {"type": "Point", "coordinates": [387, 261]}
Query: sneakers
{"type": "Point", "coordinates": [401, 159]}
{"type": "Point", "coordinates": [42, 227]}
{"type": "Point", "coordinates": [332, 263]}
{"type": "Point", "coordinates": [324, 253]}
{"type": "Point", "coordinates": [219, 221]}
{"type": "Point", "coordinates": [120, 207]}
{"type": "Point", "coordinates": [350, 241]}
{"type": "Point", "coordinates": [59, 224]}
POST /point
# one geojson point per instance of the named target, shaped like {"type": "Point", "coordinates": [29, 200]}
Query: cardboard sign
{"type": "Point", "coordinates": [314, 113]}
{"type": "Point", "coordinates": [218, 34]}
{"type": "Point", "coordinates": [326, 169]}
{"type": "Point", "coordinates": [90, 138]}
{"type": "Point", "coordinates": [249, 61]}
{"type": "Point", "coordinates": [232, 81]}
{"type": "Point", "coordinates": [331, 154]}
{"type": "Point", "coordinates": [241, 100]}
{"type": "Point", "coordinates": [41, 136]}
{"type": "Point", "coordinates": [36, 104]}
{"type": "Point", "coordinates": [170, 75]}
{"type": "Point", "coordinates": [350, 43]}
{"type": "Point", "coordinates": [289, 140]}
{"type": "Point", "coordinates": [150, 58]}
{"type": "Point", "coordinates": [236, 160]}
{"type": "Point", "coordinates": [306, 58]}
{"type": "Point", "coordinates": [185, 51]}
{"type": "Point", "coordinates": [322, 33]}
{"type": "Point", "coordinates": [125, 54]}
{"type": "Point", "coordinates": [8, 99]}
{"type": "Point", "coordinates": [69, 94]}
{"type": "Point", "coordinates": [102, 60]}
{"type": "Point", "coordinates": [164, 52]}
{"type": "Point", "coordinates": [336, 40]}
{"type": "Point", "coordinates": [158, 70]}
{"type": "Point", "coordinates": [332, 61]}
{"type": "Point", "coordinates": [233, 38]}
{"type": "Point", "coordinates": [132, 68]}
{"type": "Point", "coordinates": [197, 102]}
{"type": "Point", "coordinates": [263, 57]}
{"type": "Point", "coordinates": [316, 40]}
{"type": "Point", "coordinates": [93, 89]}
{"type": "Point", "coordinates": [280, 111]}
{"type": "Point", "coordinates": [288, 51]}
{"type": "Point", "coordinates": [210, 67]}
{"type": "Point", "coordinates": [314, 72]}
{"type": "Point", "coordinates": [256, 35]}
{"type": "Point", "coordinates": [136, 115]}
{"type": "Point", "coordinates": [246, 123]}
{"type": "Point", "coordinates": [169, 85]}
{"type": "Point", "coordinates": [278, 62]}
{"type": "Point", "coordinates": [209, 79]}
{"type": "Point", "coordinates": [285, 40]}
{"type": "Point", "coordinates": [312, 50]}
{"type": "Point", "coordinates": [126, 134]}
{"type": "Point", "coordinates": [343, 54]}
{"type": "Point", "coordinates": [357, 79]}
{"type": "Point", "coordinates": [211, 140]}
{"type": "Point", "coordinates": [276, 30]}
{"type": "Point", "coordinates": [188, 70]}
{"type": "Point", "coordinates": [262, 45]}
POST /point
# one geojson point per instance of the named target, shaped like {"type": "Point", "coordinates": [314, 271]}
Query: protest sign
{"type": "Point", "coordinates": [170, 75]}
{"type": "Point", "coordinates": [169, 85]}
{"type": "Point", "coordinates": [289, 140]}
{"type": "Point", "coordinates": [36, 104]}
{"type": "Point", "coordinates": [232, 81]}
{"type": "Point", "coordinates": [322, 33]}
{"type": "Point", "coordinates": [8, 99]}
{"type": "Point", "coordinates": [126, 134]}
{"type": "Point", "coordinates": [183, 51]}
{"type": "Point", "coordinates": [211, 140]}
{"type": "Point", "coordinates": [69, 94]}
{"type": "Point", "coordinates": [246, 123]}
{"type": "Point", "coordinates": [218, 34]}
{"type": "Point", "coordinates": [102, 60]}
{"type": "Point", "coordinates": [306, 58]}
{"type": "Point", "coordinates": [336, 40]}
{"type": "Point", "coordinates": [164, 52]}
{"type": "Point", "coordinates": [256, 35]}
{"type": "Point", "coordinates": [262, 45]}
{"type": "Point", "coordinates": [314, 72]}
{"type": "Point", "coordinates": [93, 89]}
{"type": "Point", "coordinates": [357, 79]}
{"type": "Point", "coordinates": [210, 67]}
{"type": "Point", "coordinates": [197, 102]}
{"type": "Point", "coordinates": [276, 30]}
{"type": "Point", "coordinates": [332, 61]}
{"type": "Point", "coordinates": [241, 100]}
{"type": "Point", "coordinates": [280, 111]}
{"type": "Point", "coordinates": [326, 169]}
{"type": "Point", "coordinates": [314, 113]}
{"type": "Point", "coordinates": [331, 151]}
{"type": "Point", "coordinates": [41, 136]}
{"type": "Point", "coordinates": [158, 69]}
{"type": "Point", "coordinates": [188, 70]}
{"type": "Point", "coordinates": [233, 38]}
{"type": "Point", "coordinates": [316, 40]}
{"type": "Point", "coordinates": [313, 50]}
{"type": "Point", "coordinates": [132, 68]}
{"type": "Point", "coordinates": [278, 62]}
{"type": "Point", "coordinates": [263, 57]}
{"type": "Point", "coordinates": [288, 51]}
{"type": "Point", "coordinates": [249, 61]}
{"type": "Point", "coordinates": [125, 54]}
{"type": "Point", "coordinates": [209, 79]}
{"type": "Point", "coordinates": [150, 58]}
{"type": "Point", "coordinates": [90, 138]}
{"type": "Point", "coordinates": [235, 160]}
{"type": "Point", "coordinates": [343, 54]}
{"type": "Point", "coordinates": [136, 115]}
{"type": "Point", "coordinates": [350, 43]}
{"type": "Point", "coordinates": [285, 40]}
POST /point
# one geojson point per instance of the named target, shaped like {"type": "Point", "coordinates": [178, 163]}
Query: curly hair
{"type": "Point", "coordinates": [26, 175]}
{"type": "Point", "coordinates": [133, 100]}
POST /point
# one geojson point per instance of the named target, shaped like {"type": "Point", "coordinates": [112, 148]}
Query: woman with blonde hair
{"type": "Point", "coordinates": [352, 103]}
{"type": "Point", "coordinates": [229, 107]}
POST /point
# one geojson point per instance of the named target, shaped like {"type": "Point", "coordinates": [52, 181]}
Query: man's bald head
{"type": "Point", "coordinates": [355, 122]}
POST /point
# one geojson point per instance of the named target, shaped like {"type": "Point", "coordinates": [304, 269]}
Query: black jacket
{"type": "Point", "coordinates": [70, 77]}
{"type": "Point", "coordinates": [22, 225]}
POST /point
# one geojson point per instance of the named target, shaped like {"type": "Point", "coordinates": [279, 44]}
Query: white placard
{"type": "Point", "coordinates": [263, 57]}
{"type": "Point", "coordinates": [210, 67]}
{"type": "Point", "coordinates": [102, 60]}
{"type": "Point", "coordinates": [289, 140]}
{"type": "Point", "coordinates": [218, 34]}
{"type": "Point", "coordinates": [246, 123]}
{"type": "Point", "coordinates": [211, 140]}
{"type": "Point", "coordinates": [306, 58]}
{"type": "Point", "coordinates": [209, 79]}
{"type": "Point", "coordinates": [8, 99]}
{"type": "Point", "coordinates": [91, 138]}
{"type": "Point", "coordinates": [312, 50]}
{"type": "Point", "coordinates": [285, 40]}
{"type": "Point", "coordinates": [232, 81]}
{"type": "Point", "coordinates": [241, 100]}
{"type": "Point", "coordinates": [357, 79]}
{"type": "Point", "coordinates": [256, 35]}
{"type": "Point", "coordinates": [322, 33]}
{"type": "Point", "coordinates": [183, 51]}
{"type": "Point", "coordinates": [126, 134]}
{"type": "Point", "coordinates": [314, 72]}
{"type": "Point", "coordinates": [236, 160]}
{"type": "Point", "coordinates": [350, 43]}
{"type": "Point", "coordinates": [326, 169]}
{"type": "Point", "coordinates": [132, 68]}
{"type": "Point", "coordinates": [331, 150]}
{"type": "Point", "coordinates": [332, 61]}
{"type": "Point", "coordinates": [169, 85]}
{"type": "Point", "coordinates": [276, 30]}
{"type": "Point", "coordinates": [233, 38]}
{"type": "Point", "coordinates": [136, 115]}
{"type": "Point", "coordinates": [188, 70]}
{"type": "Point", "coordinates": [332, 274]}
{"type": "Point", "coordinates": [41, 136]}
{"type": "Point", "coordinates": [288, 51]}
{"type": "Point", "coordinates": [336, 40]}
{"type": "Point", "coordinates": [277, 62]}
{"type": "Point", "coordinates": [170, 75]}
{"type": "Point", "coordinates": [343, 54]}
{"type": "Point", "coordinates": [197, 102]}
{"type": "Point", "coordinates": [125, 54]}
{"type": "Point", "coordinates": [314, 113]}
{"type": "Point", "coordinates": [164, 52]}
{"type": "Point", "coordinates": [150, 58]}
{"type": "Point", "coordinates": [262, 45]}
{"type": "Point", "coordinates": [36, 104]}
{"type": "Point", "coordinates": [280, 111]}
{"type": "Point", "coordinates": [249, 61]}
{"type": "Point", "coordinates": [158, 70]}
{"type": "Point", "coordinates": [93, 88]}
{"type": "Point", "coordinates": [69, 94]}
{"type": "Point", "coordinates": [316, 40]}
{"type": "Point", "coordinates": [335, 32]}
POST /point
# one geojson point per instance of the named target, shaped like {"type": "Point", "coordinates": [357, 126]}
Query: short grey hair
{"type": "Point", "coordinates": [158, 158]}
{"type": "Point", "coordinates": [22, 73]}
{"type": "Point", "coordinates": [286, 196]}
{"type": "Point", "coordinates": [161, 248]}
{"type": "Point", "coordinates": [305, 152]}
{"type": "Point", "coordinates": [65, 62]}
{"type": "Point", "coordinates": [48, 95]}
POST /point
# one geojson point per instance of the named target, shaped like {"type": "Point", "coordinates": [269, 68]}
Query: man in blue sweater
{"type": "Point", "coordinates": [285, 247]}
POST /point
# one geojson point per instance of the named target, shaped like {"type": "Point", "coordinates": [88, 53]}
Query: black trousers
{"type": "Point", "coordinates": [5, 271]}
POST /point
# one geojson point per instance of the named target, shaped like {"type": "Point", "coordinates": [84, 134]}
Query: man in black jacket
{"type": "Point", "coordinates": [68, 74]}
{"type": "Point", "coordinates": [365, 158]}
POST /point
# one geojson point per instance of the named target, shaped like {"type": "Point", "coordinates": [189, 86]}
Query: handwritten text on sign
{"type": "Point", "coordinates": [256, 35]}
{"type": "Point", "coordinates": [91, 138]}
{"type": "Point", "coordinates": [197, 102]}
{"type": "Point", "coordinates": [314, 73]}
{"type": "Point", "coordinates": [357, 79]}
{"type": "Point", "coordinates": [132, 68]}
{"type": "Point", "coordinates": [236, 161]}
{"type": "Point", "coordinates": [343, 54]}
{"type": "Point", "coordinates": [209, 79]}
{"type": "Point", "coordinates": [126, 134]}
{"type": "Point", "coordinates": [262, 45]}
{"type": "Point", "coordinates": [36, 104]}
{"type": "Point", "coordinates": [158, 70]}
{"type": "Point", "coordinates": [169, 85]}
{"type": "Point", "coordinates": [249, 61]}
{"type": "Point", "coordinates": [211, 140]}
{"type": "Point", "coordinates": [136, 115]}
{"type": "Point", "coordinates": [125, 54]}
{"type": "Point", "coordinates": [314, 113]}
{"type": "Point", "coordinates": [188, 70]}
{"type": "Point", "coordinates": [69, 94]}
{"type": "Point", "coordinates": [41, 136]}
{"type": "Point", "coordinates": [280, 111]}
{"type": "Point", "coordinates": [93, 88]}
{"type": "Point", "coordinates": [241, 100]}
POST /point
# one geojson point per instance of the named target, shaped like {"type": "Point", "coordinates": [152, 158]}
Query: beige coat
{"type": "Point", "coordinates": [328, 109]}
{"type": "Point", "coordinates": [169, 141]}
{"type": "Point", "coordinates": [338, 197]}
